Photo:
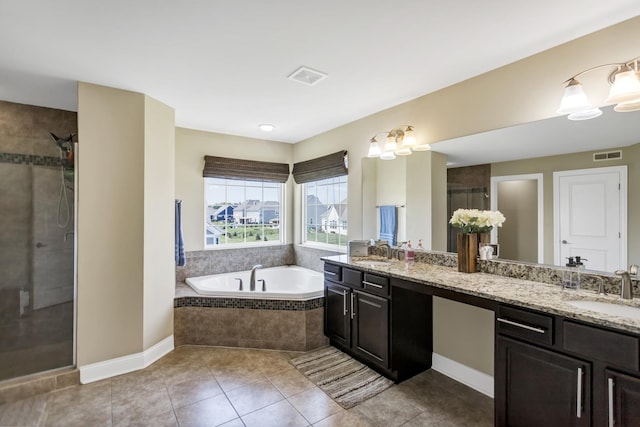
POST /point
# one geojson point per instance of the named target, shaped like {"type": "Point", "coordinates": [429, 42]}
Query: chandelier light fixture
{"type": "Point", "coordinates": [624, 92]}
{"type": "Point", "coordinates": [400, 141]}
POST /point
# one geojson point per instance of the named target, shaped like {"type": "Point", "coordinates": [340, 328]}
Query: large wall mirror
{"type": "Point", "coordinates": [551, 179]}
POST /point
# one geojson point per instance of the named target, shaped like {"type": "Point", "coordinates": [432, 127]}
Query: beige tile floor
{"type": "Point", "coordinates": [208, 386]}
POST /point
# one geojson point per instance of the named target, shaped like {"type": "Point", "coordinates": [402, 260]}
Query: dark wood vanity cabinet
{"type": "Point", "coordinates": [552, 371]}
{"type": "Point", "coordinates": [537, 387]}
{"type": "Point", "coordinates": [383, 327]}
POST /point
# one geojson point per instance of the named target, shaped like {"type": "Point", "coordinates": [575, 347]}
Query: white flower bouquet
{"type": "Point", "coordinates": [476, 221]}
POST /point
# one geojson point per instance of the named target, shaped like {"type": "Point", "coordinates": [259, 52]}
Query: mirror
{"type": "Point", "coordinates": [532, 154]}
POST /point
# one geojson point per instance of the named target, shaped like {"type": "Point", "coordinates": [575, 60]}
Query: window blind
{"type": "Point", "coordinates": [251, 170]}
{"type": "Point", "coordinates": [329, 166]}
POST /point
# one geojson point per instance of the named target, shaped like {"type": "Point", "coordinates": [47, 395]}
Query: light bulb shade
{"type": "Point", "coordinates": [585, 115]}
{"type": "Point", "coordinates": [625, 88]}
{"type": "Point", "coordinates": [409, 138]}
{"type": "Point", "coordinates": [403, 152]}
{"type": "Point", "coordinates": [374, 148]}
{"type": "Point", "coordinates": [626, 107]}
{"type": "Point", "coordinates": [390, 144]}
{"type": "Point", "coordinates": [423, 147]}
{"type": "Point", "coordinates": [574, 99]}
{"type": "Point", "coordinates": [387, 155]}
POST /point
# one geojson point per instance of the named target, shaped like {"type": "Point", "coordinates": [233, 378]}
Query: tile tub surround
{"type": "Point", "coordinates": [248, 323]}
{"type": "Point", "coordinates": [524, 293]}
{"type": "Point", "coordinates": [216, 261]}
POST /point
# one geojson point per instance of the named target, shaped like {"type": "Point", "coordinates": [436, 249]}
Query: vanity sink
{"type": "Point", "coordinates": [607, 308]}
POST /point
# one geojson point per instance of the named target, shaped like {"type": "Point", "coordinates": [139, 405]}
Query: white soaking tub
{"type": "Point", "coordinates": [282, 283]}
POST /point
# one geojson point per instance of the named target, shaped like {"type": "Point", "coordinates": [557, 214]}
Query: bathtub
{"type": "Point", "coordinates": [282, 283]}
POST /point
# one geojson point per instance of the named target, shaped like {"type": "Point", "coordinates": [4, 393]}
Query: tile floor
{"type": "Point", "coordinates": [209, 386]}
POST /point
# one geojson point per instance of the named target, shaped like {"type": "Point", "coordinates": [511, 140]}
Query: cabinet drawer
{"type": "Point", "coordinates": [374, 284]}
{"type": "Point", "coordinates": [333, 272]}
{"type": "Point", "coordinates": [526, 325]}
{"type": "Point", "coordinates": [608, 346]}
{"type": "Point", "coordinates": [352, 278]}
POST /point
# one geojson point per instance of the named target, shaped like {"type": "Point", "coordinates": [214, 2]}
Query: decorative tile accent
{"type": "Point", "coordinates": [29, 159]}
{"type": "Point", "coordinates": [249, 304]}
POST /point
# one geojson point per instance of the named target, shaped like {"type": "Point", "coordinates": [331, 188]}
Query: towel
{"type": "Point", "coordinates": [179, 241]}
{"type": "Point", "coordinates": [388, 224]}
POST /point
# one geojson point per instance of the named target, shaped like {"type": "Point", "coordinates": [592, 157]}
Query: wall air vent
{"type": "Point", "coordinates": [607, 155]}
{"type": "Point", "coordinates": [307, 76]}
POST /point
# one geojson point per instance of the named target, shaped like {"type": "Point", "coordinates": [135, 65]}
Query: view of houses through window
{"type": "Point", "coordinates": [240, 211]}
{"type": "Point", "coordinates": [325, 211]}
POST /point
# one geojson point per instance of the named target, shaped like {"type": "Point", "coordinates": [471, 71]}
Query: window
{"type": "Point", "coordinates": [325, 211]}
{"type": "Point", "coordinates": [242, 212]}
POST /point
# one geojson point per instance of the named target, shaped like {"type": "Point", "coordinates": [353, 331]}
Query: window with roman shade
{"type": "Point", "coordinates": [243, 200]}
{"type": "Point", "coordinates": [324, 204]}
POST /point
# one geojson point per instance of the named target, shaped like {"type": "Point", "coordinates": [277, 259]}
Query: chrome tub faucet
{"type": "Point", "coordinates": [252, 278]}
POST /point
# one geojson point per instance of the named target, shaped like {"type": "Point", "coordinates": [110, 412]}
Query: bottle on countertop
{"type": "Point", "coordinates": [420, 247]}
{"type": "Point", "coordinates": [409, 253]}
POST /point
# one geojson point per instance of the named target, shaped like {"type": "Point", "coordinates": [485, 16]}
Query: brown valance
{"type": "Point", "coordinates": [325, 167]}
{"type": "Point", "coordinates": [251, 170]}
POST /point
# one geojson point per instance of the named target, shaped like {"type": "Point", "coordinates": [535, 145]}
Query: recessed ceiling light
{"type": "Point", "coordinates": [266, 127]}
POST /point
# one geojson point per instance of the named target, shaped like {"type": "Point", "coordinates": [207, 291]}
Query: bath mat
{"type": "Point", "coordinates": [343, 378]}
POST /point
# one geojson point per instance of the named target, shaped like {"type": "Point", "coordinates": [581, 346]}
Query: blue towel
{"type": "Point", "coordinates": [388, 224]}
{"type": "Point", "coordinates": [181, 261]}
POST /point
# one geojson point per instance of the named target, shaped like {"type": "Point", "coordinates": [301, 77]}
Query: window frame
{"type": "Point", "coordinates": [282, 220]}
{"type": "Point", "coordinates": [339, 224]}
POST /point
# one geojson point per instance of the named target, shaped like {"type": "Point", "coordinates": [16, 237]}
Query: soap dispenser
{"type": "Point", "coordinates": [571, 276]}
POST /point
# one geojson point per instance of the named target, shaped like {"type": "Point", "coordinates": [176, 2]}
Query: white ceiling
{"type": "Point", "coordinates": [223, 65]}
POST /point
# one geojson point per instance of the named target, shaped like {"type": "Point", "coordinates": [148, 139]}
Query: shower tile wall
{"type": "Point", "coordinates": [36, 261]}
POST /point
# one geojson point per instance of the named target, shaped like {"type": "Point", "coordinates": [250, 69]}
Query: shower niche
{"type": "Point", "coordinates": [37, 248]}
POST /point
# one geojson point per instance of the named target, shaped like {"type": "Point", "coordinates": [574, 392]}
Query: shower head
{"type": "Point", "coordinates": [65, 144]}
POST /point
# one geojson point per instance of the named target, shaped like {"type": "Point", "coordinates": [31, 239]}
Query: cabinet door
{"type": "Point", "coordinates": [623, 400]}
{"type": "Point", "coordinates": [336, 320]}
{"type": "Point", "coordinates": [371, 327]}
{"type": "Point", "coordinates": [536, 387]}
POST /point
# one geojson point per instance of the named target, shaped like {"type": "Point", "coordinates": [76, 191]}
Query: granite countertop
{"type": "Point", "coordinates": [534, 295]}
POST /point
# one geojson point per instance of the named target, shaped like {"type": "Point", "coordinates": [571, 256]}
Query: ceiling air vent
{"type": "Point", "coordinates": [608, 155]}
{"type": "Point", "coordinates": [307, 76]}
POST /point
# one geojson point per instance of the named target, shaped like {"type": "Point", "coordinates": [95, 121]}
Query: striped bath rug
{"type": "Point", "coordinates": [344, 379]}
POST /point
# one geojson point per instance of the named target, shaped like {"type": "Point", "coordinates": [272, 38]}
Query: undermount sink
{"type": "Point", "coordinates": [373, 263]}
{"type": "Point", "coordinates": [607, 308]}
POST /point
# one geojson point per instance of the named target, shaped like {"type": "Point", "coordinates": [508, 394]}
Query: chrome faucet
{"type": "Point", "coordinates": [252, 278]}
{"type": "Point", "coordinates": [384, 245]}
{"type": "Point", "coordinates": [625, 290]}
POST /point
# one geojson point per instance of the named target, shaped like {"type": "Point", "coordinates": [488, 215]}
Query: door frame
{"type": "Point", "coordinates": [622, 171]}
{"type": "Point", "coordinates": [495, 180]}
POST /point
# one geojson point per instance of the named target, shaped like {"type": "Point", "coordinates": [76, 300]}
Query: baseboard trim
{"type": "Point", "coordinates": [470, 377]}
{"type": "Point", "coordinates": [125, 364]}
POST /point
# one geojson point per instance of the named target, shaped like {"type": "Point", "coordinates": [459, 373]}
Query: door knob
{"type": "Point", "coordinates": [564, 242]}
{"type": "Point", "coordinates": [40, 245]}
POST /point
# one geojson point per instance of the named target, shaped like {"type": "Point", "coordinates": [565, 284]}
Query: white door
{"type": "Point", "coordinates": [590, 217]}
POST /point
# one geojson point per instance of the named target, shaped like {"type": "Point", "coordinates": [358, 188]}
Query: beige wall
{"type": "Point", "coordinates": [191, 147]}
{"type": "Point", "coordinates": [110, 223]}
{"type": "Point", "coordinates": [159, 182]}
{"type": "Point", "coordinates": [584, 160]}
{"type": "Point", "coordinates": [125, 223]}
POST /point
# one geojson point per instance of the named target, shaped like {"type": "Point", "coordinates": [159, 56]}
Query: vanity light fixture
{"type": "Point", "coordinates": [625, 92]}
{"type": "Point", "coordinates": [399, 142]}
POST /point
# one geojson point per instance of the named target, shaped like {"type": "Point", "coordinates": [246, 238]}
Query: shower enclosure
{"type": "Point", "coordinates": [37, 222]}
